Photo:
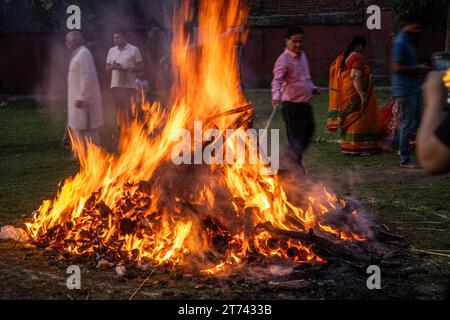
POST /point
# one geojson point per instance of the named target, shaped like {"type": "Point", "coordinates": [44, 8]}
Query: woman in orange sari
{"type": "Point", "coordinates": [353, 106]}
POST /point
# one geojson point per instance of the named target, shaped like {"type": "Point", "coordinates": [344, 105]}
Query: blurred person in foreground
{"type": "Point", "coordinates": [85, 115]}
{"type": "Point", "coordinates": [353, 106]}
{"type": "Point", "coordinates": [407, 76]}
{"type": "Point", "coordinates": [433, 140]}
{"type": "Point", "coordinates": [293, 87]}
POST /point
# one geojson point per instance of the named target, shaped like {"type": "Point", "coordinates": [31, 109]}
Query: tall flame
{"type": "Point", "coordinates": [120, 205]}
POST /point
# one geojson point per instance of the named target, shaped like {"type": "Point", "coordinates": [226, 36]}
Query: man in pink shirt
{"type": "Point", "coordinates": [292, 85]}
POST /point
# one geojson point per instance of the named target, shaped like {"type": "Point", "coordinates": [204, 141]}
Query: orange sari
{"type": "Point", "coordinates": [360, 132]}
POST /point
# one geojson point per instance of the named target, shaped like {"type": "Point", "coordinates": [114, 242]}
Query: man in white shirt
{"type": "Point", "coordinates": [123, 61]}
{"type": "Point", "coordinates": [85, 116]}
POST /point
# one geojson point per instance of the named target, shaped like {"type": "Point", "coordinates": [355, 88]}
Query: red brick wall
{"type": "Point", "coordinates": [25, 59]}
{"type": "Point", "coordinates": [30, 61]}
{"type": "Point", "coordinates": [282, 7]}
{"type": "Point", "coordinates": [272, 7]}
{"type": "Point", "coordinates": [323, 43]}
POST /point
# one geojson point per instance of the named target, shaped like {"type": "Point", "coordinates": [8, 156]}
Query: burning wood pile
{"type": "Point", "coordinates": [210, 218]}
{"type": "Point", "coordinates": [166, 222]}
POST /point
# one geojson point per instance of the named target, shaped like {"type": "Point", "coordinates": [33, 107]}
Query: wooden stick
{"type": "Point", "coordinates": [416, 222]}
{"type": "Point", "coordinates": [140, 286]}
{"type": "Point", "coordinates": [431, 253]}
{"type": "Point", "coordinates": [15, 243]}
{"type": "Point", "coordinates": [389, 255]}
{"type": "Point", "coordinates": [406, 272]}
{"type": "Point", "coordinates": [432, 229]}
{"type": "Point", "coordinates": [441, 216]}
{"type": "Point", "coordinates": [423, 229]}
{"type": "Point", "coordinates": [242, 109]}
{"type": "Point", "coordinates": [435, 263]}
{"type": "Point", "coordinates": [269, 121]}
{"type": "Point", "coordinates": [386, 234]}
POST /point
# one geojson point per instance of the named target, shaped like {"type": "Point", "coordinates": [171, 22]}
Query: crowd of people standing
{"type": "Point", "coordinates": [124, 64]}
{"type": "Point", "coordinates": [365, 128]}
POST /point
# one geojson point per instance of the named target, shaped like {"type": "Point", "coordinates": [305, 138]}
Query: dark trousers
{"type": "Point", "coordinates": [122, 101]}
{"type": "Point", "coordinates": [410, 115]}
{"type": "Point", "coordinates": [299, 126]}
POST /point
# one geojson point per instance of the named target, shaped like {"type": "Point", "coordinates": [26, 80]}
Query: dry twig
{"type": "Point", "coordinates": [431, 252]}
{"type": "Point", "coordinates": [141, 285]}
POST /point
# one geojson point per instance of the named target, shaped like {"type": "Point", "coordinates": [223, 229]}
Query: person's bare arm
{"type": "Point", "coordinates": [433, 155]}
{"type": "Point", "coordinates": [113, 66]}
{"type": "Point", "coordinates": [358, 82]}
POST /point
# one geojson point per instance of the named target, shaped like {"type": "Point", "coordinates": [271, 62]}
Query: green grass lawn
{"type": "Point", "coordinates": [32, 163]}
{"type": "Point", "coordinates": [411, 203]}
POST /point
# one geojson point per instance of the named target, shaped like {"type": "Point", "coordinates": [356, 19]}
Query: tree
{"type": "Point", "coordinates": [431, 12]}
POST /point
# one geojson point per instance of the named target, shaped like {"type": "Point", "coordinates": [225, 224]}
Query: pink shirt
{"type": "Point", "coordinates": [292, 78]}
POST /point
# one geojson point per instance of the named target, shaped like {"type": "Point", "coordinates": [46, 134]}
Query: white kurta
{"type": "Point", "coordinates": [83, 85]}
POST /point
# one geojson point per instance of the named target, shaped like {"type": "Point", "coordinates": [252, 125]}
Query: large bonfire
{"type": "Point", "coordinates": [137, 205]}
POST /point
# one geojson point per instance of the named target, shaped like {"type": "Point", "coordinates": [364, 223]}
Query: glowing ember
{"type": "Point", "coordinates": [138, 205]}
{"type": "Point", "coordinates": [447, 78]}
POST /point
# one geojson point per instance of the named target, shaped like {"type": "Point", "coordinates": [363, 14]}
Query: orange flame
{"type": "Point", "coordinates": [447, 78]}
{"type": "Point", "coordinates": [104, 207]}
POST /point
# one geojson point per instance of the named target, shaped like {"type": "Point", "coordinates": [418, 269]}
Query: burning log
{"type": "Point", "coordinates": [284, 244]}
{"type": "Point", "coordinates": [245, 110]}
{"type": "Point", "coordinates": [243, 121]}
{"type": "Point", "coordinates": [249, 232]}
{"type": "Point", "coordinates": [320, 246]}
{"type": "Point", "coordinates": [272, 243]}
{"type": "Point", "coordinates": [104, 210]}
{"type": "Point", "coordinates": [127, 226]}
{"type": "Point", "coordinates": [220, 243]}
{"type": "Point", "coordinates": [292, 252]}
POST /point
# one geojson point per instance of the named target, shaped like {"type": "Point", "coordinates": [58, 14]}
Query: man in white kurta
{"type": "Point", "coordinates": [85, 115]}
